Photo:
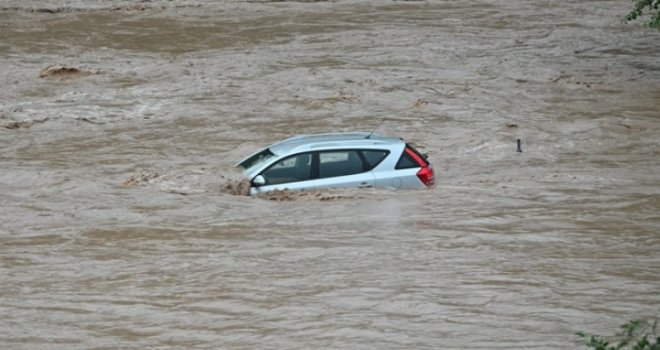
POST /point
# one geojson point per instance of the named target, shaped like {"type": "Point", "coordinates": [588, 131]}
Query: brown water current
{"type": "Point", "coordinates": [121, 220]}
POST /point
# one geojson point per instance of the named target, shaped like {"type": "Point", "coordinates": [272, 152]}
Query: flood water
{"type": "Point", "coordinates": [119, 228]}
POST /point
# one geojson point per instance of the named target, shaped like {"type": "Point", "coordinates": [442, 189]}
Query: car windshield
{"type": "Point", "coordinates": [256, 160]}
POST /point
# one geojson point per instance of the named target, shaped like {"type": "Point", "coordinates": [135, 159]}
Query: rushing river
{"type": "Point", "coordinates": [121, 226]}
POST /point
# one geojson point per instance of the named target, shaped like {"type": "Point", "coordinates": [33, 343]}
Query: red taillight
{"type": "Point", "coordinates": [426, 176]}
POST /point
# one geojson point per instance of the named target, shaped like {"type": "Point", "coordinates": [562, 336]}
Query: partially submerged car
{"type": "Point", "coordinates": [337, 160]}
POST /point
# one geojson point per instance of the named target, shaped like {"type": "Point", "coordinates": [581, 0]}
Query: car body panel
{"type": "Point", "coordinates": [397, 179]}
{"type": "Point", "coordinates": [362, 180]}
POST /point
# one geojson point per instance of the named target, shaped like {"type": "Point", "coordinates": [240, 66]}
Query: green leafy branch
{"type": "Point", "coordinates": [640, 6]}
{"type": "Point", "coordinates": [634, 335]}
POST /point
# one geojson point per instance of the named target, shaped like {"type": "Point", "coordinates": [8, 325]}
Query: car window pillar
{"type": "Point", "coordinates": [315, 165]}
{"type": "Point", "coordinates": [366, 166]}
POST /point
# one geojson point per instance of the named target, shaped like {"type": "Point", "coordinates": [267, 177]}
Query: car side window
{"type": "Point", "coordinates": [339, 163]}
{"type": "Point", "coordinates": [406, 161]}
{"type": "Point", "coordinates": [374, 157]}
{"type": "Point", "coordinates": [290, 169]}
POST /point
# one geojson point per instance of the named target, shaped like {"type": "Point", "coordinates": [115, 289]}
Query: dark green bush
{"type": "Point", "coordinates": [634, 335]}
{"type": "Point", "coordinates": [653, 7]}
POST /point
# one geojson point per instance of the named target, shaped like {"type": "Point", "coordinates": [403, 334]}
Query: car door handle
{"type": "Point", "coordinates": [365, 185]}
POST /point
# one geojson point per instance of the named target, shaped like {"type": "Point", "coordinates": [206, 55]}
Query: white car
{"type": "Point", "coordinates": [337, 160]}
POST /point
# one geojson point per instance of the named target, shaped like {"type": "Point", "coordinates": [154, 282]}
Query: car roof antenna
{"type": "Point", "coordinates": [374, 130]}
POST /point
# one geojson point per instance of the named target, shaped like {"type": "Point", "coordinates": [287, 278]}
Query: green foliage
{"type": "Point", "coordinates": [653, 7]}
{"type": "Point", "coordinates": [634, 335]}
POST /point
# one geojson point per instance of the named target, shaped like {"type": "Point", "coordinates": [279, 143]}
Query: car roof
{"type": "Point", "coordinates": [331, 140]}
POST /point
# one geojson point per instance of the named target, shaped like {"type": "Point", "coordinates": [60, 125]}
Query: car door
{"type": "Point", "coordinates": [293, 172]}
{"type": "Point", "coordinates": [343, 169]}
{"type": "Point", "coordinates": [316, 170]}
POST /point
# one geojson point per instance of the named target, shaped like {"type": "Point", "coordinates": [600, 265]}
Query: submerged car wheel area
{"type": "Point", "coordinates": [337, 160]}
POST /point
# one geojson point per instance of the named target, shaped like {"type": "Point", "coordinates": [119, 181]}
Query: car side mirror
{"type": "Point", "coordinates": [259, 180]}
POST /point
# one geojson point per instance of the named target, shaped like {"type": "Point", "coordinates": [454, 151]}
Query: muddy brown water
{"type": "Point", "coordinates": [118, 228]}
